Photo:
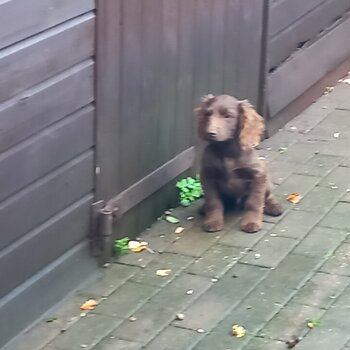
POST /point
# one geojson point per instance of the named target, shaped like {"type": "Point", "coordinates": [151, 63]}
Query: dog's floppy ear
{"type": "Point", "coordinates": [252, 125]}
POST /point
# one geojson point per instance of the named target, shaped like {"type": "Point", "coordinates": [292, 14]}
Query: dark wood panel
{"type": "Point", "coordinates": [20, 19]}
{"type": "Point", "coordinates": [286, 12]}
{"type": "Point", "coordinates": [41, 57]}
{"type": "Point", "coordinates": [131, 71]}
{"type": "Point", "coordinates": [108, 34]}
{"type": "Point", "coordinates": [44, 244]}
{"type": "Point", "coordinates": [230, 67]}
{"type": "Point", "coordinates": [49, 195]}
{"type": "Point", "coordinates": [307, 67]}
{"type": "Point", "coordinates": [47, 103]}
{"type": "Point", "coordinates": [217, 46]}
{"type": "Point", "coordinates": [251, 24]}
{"type": "Point", "coordinates": [46, 151]}
{"type": "Point", "coordinates": [35, 297]}
{"type": "Point", "coordinates": [306, 28]}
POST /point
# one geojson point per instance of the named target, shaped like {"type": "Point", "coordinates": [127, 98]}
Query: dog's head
{"type": "Point", "coordinates": [223, 118]}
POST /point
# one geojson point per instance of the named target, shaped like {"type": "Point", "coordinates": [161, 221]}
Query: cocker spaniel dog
{"type": "Point", "coordinates": [231, 171]}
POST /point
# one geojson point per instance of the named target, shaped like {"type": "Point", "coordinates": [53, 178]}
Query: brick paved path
{"type": "Point", "coordinates": [296, 269]}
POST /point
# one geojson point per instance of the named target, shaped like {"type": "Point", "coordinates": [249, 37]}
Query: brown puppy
{"type": "Point", "coordinates": [231, 169]}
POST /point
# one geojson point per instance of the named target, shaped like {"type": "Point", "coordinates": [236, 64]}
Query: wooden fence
{"type": "Point", "coordinates": [96, 100]}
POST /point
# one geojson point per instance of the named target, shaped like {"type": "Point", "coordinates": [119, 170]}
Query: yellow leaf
{"type": "Point", "coordinates": [238, 331]}
{"type": "Point", "coordinates": [136, 247]}
{"type": "Point", "coordinates": [294, 198]}
{"type": "Point", "coordinates": [163, 273]}
{"type": "Point", "coordinates": [89, 305]}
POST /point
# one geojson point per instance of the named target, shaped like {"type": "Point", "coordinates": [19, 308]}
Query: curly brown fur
{"type": "Point", "coordinates": [230, 166]}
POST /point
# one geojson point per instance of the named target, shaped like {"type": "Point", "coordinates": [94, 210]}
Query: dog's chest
{"type": "Point", "coordinates": [236, 178]}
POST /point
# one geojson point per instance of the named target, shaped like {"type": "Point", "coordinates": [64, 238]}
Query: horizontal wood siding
{"type": "Point", "coordinates": [294, 22]}
{"type": "Point", "coordinates": [47, 142]}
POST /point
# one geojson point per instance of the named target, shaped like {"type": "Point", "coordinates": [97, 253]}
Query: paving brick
{"type": "Point", "coordinates": [176, 263]}
{"type": "Point", "coordinates": [343, 300]}
{"type": "Point", "coordinates": [290, 321]}
{"type": "Point", "coordinates": [174, 294]}
{"type": "Point", "coordinates": [86, 333]}
{"type": "Point", "coordinates": [333, 333]}
{"type": "Point", "coordinates": [320, 242]}
{"type": "Point", "coordinates": [293, 271]}
{"type": "Point", "coordinates": [280, 171]}
{"type": "Point", "coordinates": [195, 243]}
{"type": "Point", "coordinates": [112, 278]}
{"type": "Point", "coordinates": [296, 183]}
{"type": "Point", "coordinates": [173, 338]}
{"type": "Point", "coordinates": [126, 299]}
{"type": "Point", "coordinates": [237, 238]}
{"type": "Point", "coordinates": [296, 224]}
{"type": "Point", "coordinates": [221, 297]}
{"type": "Point", "coordinates": [150, 320]}
{"type": "Point", "coordinates": [281, 140]}
{"type": "Point", "coordinates": [346, 197]}
{"type": "Point", "coordinates": [300, 152]}
{"type": "Point", "coordinates": [319, 165]}
{"type": "Point", "coordinates": [338, 217]}
{"type": "Point", "coordinates": [320, 199]}
{"type": "Point", "coordinates": [270, 251]}
{"type": "Point", "coordinates": [339, 177]}
{"type": "Point", "coordinates": [215, 261]}
{"type": "Point", "coordinates": [321, 290]}
{"type": "Point", "coordinates": [267, 155]}
{"type": "Point", "coordinates": [117, 344]}
{"type": "Point", "coordinates": [63, 317]}
{"type": "Point", "coordinates": [265, 344]}
{"type": "Point", "coordinates": [339, 262]}
{"type": "Point", "coordinates": [254, 311]}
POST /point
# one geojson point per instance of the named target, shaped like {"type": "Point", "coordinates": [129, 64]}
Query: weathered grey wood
{"type": "Point", "coordinates": [286, 12]}
{"type": "Point", "coordinates": [45, 104]}
{"type": "Point", "coordinates": [307, 27]}
{"type": "Point", "coordinates": [251, 24]}
{"type": "Point", "coordinates": [41, 57]}
{"type": "Point", "coordinates": [44, 244]}
{"type": "Point", "coordinates": [131, 70]}
{"type": "Point", "coordinates": [38, 295]}
{"type": "Point", "coordinates": [307, 67]}
{"type": "Point", "coordinates": [108, 55]}
{"type": "Point", "coordinates": [38, 202]}
{"type": "Point", "coordinates": [44, 152]}
{"type": "Point", "coordinates": [20, 19]}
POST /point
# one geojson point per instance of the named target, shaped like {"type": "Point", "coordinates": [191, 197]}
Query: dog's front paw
{"type": "Point", "coordinates": [273, 209]}
{"type": "Point", "coordinates": [251, 227]}
{"type": "Point", "coordinates": [213, 225]}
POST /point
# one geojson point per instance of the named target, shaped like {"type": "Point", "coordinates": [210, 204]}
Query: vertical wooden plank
{"type": "Point", "coordinates": [107, 98]}
{"type": "Point", "coordinates": [131, 70]}
{"type": "Point", "coordinates": [168, 92]}
{"type": "Point", "coordinates": [217, 45]}
{"type": "Point", "coordinates": [185, 131]}
{"type": "Point", "coordinates": [149, 111]}
{"type": "Point", "coordinates": [232, 48]}
{"type": "Point", "coordinates": [249, 55]}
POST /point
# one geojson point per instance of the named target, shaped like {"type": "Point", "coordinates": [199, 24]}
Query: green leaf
{"type": "Point", "coordinates": [315, 322]}
{"type": "Point", "coordinates": [172, 219]}
{"type": "Point", "coordinates": [185, 202]}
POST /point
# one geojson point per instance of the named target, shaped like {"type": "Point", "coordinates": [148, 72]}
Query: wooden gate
{"type": "Point", "coordinates": [155, 59]}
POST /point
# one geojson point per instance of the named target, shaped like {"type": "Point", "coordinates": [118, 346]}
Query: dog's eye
{"type": "Point", "coordinates": [208, 113]}
{"type": "Point", "coordinates": [226, 116]}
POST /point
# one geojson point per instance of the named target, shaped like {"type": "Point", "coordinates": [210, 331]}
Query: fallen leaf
{"type": "Point", "coordinates": [200, 330]}
{"type": "Point", "coordinates": [132, 319]}
{"type": "Point", "coordinates": [172, 219]}
{"type": "Point", "coordinates": [163, 272]}
{"type": "Point", "coordinates": [336, 135]}
{"type": "Point", "coordinates": [238, 331]}
{"type": "Point", "coordinates": [89, 305]}
{"type": "Point", "coordinates": [50, 320]}
{"type": "Point", "coordinates": [179, 230]}
{"type": "Point", "coordinates": [313, 323]}
{"type": "Point", "coordinates": [180, 317]}
{"type": "Point", "coordinates": [136, 246]}
{"type": "Point", "coordinates": [189, 292]}
{"type": "Point", "coordinates": [294, 198]}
